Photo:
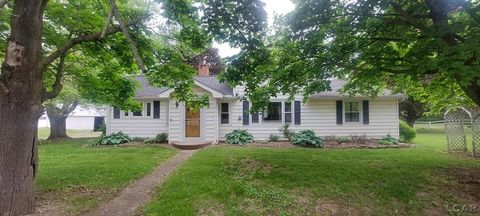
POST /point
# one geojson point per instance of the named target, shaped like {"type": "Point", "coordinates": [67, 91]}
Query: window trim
{"type": "Point", "coordinates": [129, 114]}
{"type": "Point", "coordinates": [228, 113]}
{"type": "Point", "coordinates": [284, 112]}
{"type": "Point", "coordinates": [360, 112]}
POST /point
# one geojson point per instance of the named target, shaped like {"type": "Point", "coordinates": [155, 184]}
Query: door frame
{"type": "Point", "coordinates": [184, 126]}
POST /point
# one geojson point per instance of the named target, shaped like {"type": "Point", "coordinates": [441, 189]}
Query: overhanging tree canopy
{"type": "Point", "coordinates": [373, 44]}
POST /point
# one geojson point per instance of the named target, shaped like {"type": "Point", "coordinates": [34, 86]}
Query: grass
{"type": "Point", "coordinates": [78, 177]}
{"type": "Point", "coordinates": [44, 132]}
{"type": "Point", "coordinates": [297, 181]}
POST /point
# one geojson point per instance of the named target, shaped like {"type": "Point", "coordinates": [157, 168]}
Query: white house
{"type": "Point", "coordinates": [82, 118]}
{"type": "Point", "coordinates": [327, 113]}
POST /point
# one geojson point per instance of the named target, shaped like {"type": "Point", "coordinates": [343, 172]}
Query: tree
{"type": "Point", "coordinates": [210, 57]}
{"type": "Point", "coordinates": [370, 43]}
{"type": "Point", "coordinates": [58, 111]}
{"type": "Point", "coordinates": [38, 33]}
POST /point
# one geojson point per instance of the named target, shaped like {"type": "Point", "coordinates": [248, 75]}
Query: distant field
{"type": "Point", "coordinates": [44, 132]}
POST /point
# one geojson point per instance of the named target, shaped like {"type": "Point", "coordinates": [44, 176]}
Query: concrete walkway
{"type": "Point", "coordinates": [139, 192]}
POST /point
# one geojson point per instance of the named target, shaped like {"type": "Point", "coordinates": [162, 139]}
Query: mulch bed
{"type": "Point", "coordinates": [329, 145]}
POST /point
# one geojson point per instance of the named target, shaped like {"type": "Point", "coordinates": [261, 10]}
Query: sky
{"type": "Point", "coordinates": [272, 7]}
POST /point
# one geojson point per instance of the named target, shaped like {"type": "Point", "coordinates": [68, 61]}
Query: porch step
{"type": "Point", "coordinates": [190, 145]}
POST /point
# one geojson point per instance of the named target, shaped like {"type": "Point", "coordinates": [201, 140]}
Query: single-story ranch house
{"type": "Point", "coordinates": [327, 113]}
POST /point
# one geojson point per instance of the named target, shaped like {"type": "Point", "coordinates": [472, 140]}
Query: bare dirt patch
{"type": "Point", "coordinates": [459, 192]}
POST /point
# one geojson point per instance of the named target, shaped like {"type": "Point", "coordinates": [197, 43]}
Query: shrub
{"type": "Point", "coordinates": [113, 139]}
{"type": "Point", "coordinates": [343, 139]}
{"type": "Point", "coordinates": [407, 133]}
{"type": "Point", "coordinates": [103, 128]}
{"type": "Point", "coordinates": [287, 133]}
{"type": "Point", "coordinates": [239, 137]}
{"type": "Point", "coordinates": [388, 140]}
{"type": "Point", "coordinates": [273, 138]}
{"type": "Point", "coordinates": [160, 138]}
{"type": "Point", "coordinates": [307, 138]}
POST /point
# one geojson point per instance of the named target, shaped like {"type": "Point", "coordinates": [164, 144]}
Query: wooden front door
{"type": "Point", "coordinates": [192, 123]}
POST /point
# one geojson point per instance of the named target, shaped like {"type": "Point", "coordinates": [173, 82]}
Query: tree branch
{"type": "Point", "coordinates": [68, 108]}
{"type": "Point", "coordinates": [109, 18]}
{"type": "Point", "coordinates": [411, 20]}
{"type": "Point", "coordinates": [57, 85]}
{"type": "Point", "coordinates": [84, 38]}
{"type": "Point", "coordinates": [124, 29]}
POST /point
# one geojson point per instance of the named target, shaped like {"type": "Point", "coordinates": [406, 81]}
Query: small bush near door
{"type": "Point", "coordinates": [307, 138]}
{"type": "Point", "coordinates": [238, 136]}
{"type": "Point", "coordinates": [160, 138]}
{"type": "Point", "coordinates": [407, 133]}
{"type": "Point", "coordinates": [273, 138]}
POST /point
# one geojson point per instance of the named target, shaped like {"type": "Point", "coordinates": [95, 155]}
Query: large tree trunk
{"type": "Point", "coordinates": [58, 126]}
{"type": "Point", "coordinates": [58, 118]}
{"type": "Point", "coordinates": [21, 90]}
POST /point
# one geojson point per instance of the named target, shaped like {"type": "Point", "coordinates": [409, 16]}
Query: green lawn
{"type": "Point", "coordinates": [44, 132]}
{"type": "Point", "coordinates": [78, 177]}
{"type": "Point", "coordinates": [263, 181]}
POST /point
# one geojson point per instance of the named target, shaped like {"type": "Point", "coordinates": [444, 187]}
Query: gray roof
{"type": "Point", "coordinates": [147, 90]}
{"type": "Point", "coordinates": [337, 85]}
{"type": "Point", "coordinates": [215, 84]}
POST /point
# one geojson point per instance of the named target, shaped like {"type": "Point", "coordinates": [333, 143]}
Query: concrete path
{"type": "Point", "coordinates": [139, 192]}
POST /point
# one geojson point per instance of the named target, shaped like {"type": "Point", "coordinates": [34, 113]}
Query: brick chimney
{"type": "Point", "coordinates": [203, 70]}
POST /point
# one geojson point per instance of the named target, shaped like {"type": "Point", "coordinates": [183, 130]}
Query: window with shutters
{"type": "Point", "coordinates": [149, 109]}
{"type": "Point", "coordinates": [273, 113]}
{"type": "Point", "coordinates": [352, 111]}
{"type": "Point", "coordinates": [224, 116]}
{"type": "Point", "coordinates": [288, 112]}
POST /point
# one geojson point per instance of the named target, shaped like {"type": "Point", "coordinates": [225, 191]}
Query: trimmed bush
{"type": "Point", "coordinates": [388, 140]}
{"type": "Point", "coordinates": [113, 139]}
{"type": "Point", "coordinates": [160, 138]}
{"type": "Point", "coordinates": [407, 133]}
{"type": "Point", "coordinates": [238, 136]}
{"type": "Point", "coordinates": [273, 138]}
{"type": "Point", "coordinates": [307, 138]}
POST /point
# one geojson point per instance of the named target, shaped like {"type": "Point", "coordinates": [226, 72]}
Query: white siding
{"type": "Point", "coordinates": [140, 126]}
{"type": "Point", "coordinates": [319, 115]}
{"type": "Point", "coordinates": [80, 122]}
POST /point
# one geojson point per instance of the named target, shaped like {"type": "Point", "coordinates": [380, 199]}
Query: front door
{"type": "Point", "coordinates": [192, 123]}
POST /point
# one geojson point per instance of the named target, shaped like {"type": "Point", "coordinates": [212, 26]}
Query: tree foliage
{"type": "Point", "coordinates": [429, 44]}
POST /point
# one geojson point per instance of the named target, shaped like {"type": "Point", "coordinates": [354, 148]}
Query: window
{"type": "Point", "coordinates": [352, 111]}
{"type": "Point", "coordinates": [273, 112]}
{"type": "Point", "coordinates": [116, 113]}
{"type": "Point", "coordinates": [149, 109]}
{"type": "Point", "coordinates": [224, 117]}
{"type": "Point", "coordinates": [126, 112]}
{"type": "Point", "coordinates": [156, 109]}
{"type": "Point", "coordinates": [288, 112]}
{"type": "Point", "coordinates": [139, 112]}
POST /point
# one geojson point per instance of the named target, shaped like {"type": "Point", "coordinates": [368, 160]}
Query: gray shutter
{"type": "Point", "coordinates": [297, 109]}
{"type": "Point", "coordinates": [255, 117]}
{"type": "Point", "coordinates": [366, 115]}
{"type": "Point", "coordinates": [339, 112]}
{"type": "Point", "coordinates": [246, 107]}
{"type": "Point", "coordinates": [116, 112]}
{"type": "Point", "coordinates": [156, 109]}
